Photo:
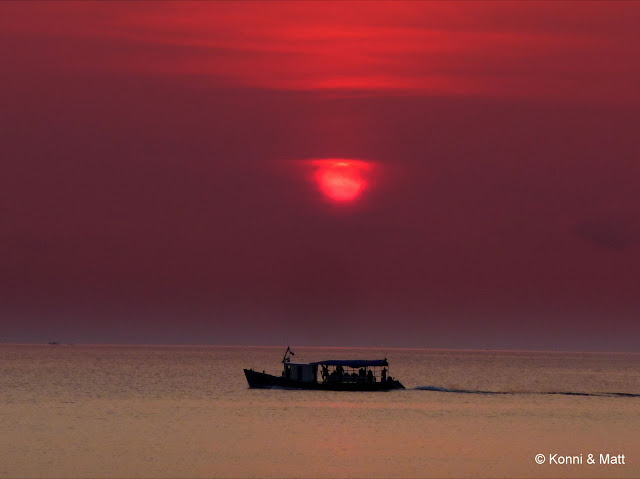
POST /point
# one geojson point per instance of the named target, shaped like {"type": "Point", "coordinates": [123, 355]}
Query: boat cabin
{"type": "Point", "coordinates": [300, 372]}
{"type": "Point", "coordinates": [338, 371]}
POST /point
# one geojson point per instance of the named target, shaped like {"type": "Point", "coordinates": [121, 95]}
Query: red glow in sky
{"type": "Point", "coordinates": [341, 180]}
{"type": "Point", "coordinates": [171, 159]}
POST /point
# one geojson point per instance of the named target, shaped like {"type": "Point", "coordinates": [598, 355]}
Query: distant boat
{"type": "Point", "coordinates": [331, 375]}
{"type": "Point", "coordinates": [54, 342]}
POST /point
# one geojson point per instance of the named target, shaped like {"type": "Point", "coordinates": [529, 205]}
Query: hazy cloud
{"type": "Point", "coordinates": [609, 233]}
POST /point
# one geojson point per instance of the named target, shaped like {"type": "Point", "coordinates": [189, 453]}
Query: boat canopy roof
{"type": "Point", "coordinates": [353, 363]}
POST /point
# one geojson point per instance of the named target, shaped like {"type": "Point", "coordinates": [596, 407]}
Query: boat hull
{"type": "Point", "coordinates": [258, 380]}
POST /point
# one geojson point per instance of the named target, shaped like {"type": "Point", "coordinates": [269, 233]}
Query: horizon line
{"type": "Point", "coordinates": [397, 348]}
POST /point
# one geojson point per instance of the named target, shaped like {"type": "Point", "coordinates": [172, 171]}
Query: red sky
{"type": "Point", "coordinates": [161, 164]}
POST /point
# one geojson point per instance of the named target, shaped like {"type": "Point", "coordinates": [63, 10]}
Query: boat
{"type": "Point", "coordinates": [329, 375]}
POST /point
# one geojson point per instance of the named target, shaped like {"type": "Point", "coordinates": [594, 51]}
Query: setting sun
{"type": "Point", "coordinates": [341, 180]}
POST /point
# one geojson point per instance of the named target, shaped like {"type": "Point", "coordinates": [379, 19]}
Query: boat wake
{"type": "Point", "coordinates": [476, 391]}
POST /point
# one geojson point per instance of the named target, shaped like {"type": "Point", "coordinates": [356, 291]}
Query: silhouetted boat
{"type": "Point", "coordinates": [332, 375]}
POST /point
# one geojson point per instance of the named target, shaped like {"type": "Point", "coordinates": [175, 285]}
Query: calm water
{"type": "Point", "coordinates": [173, 411]}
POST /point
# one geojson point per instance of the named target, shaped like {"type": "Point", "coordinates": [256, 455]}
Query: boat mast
{"type": "Point", "coordinates": [287, 355]}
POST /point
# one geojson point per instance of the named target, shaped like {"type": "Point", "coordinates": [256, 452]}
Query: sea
{"type": "Point", "coordinates": [114, 411]}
